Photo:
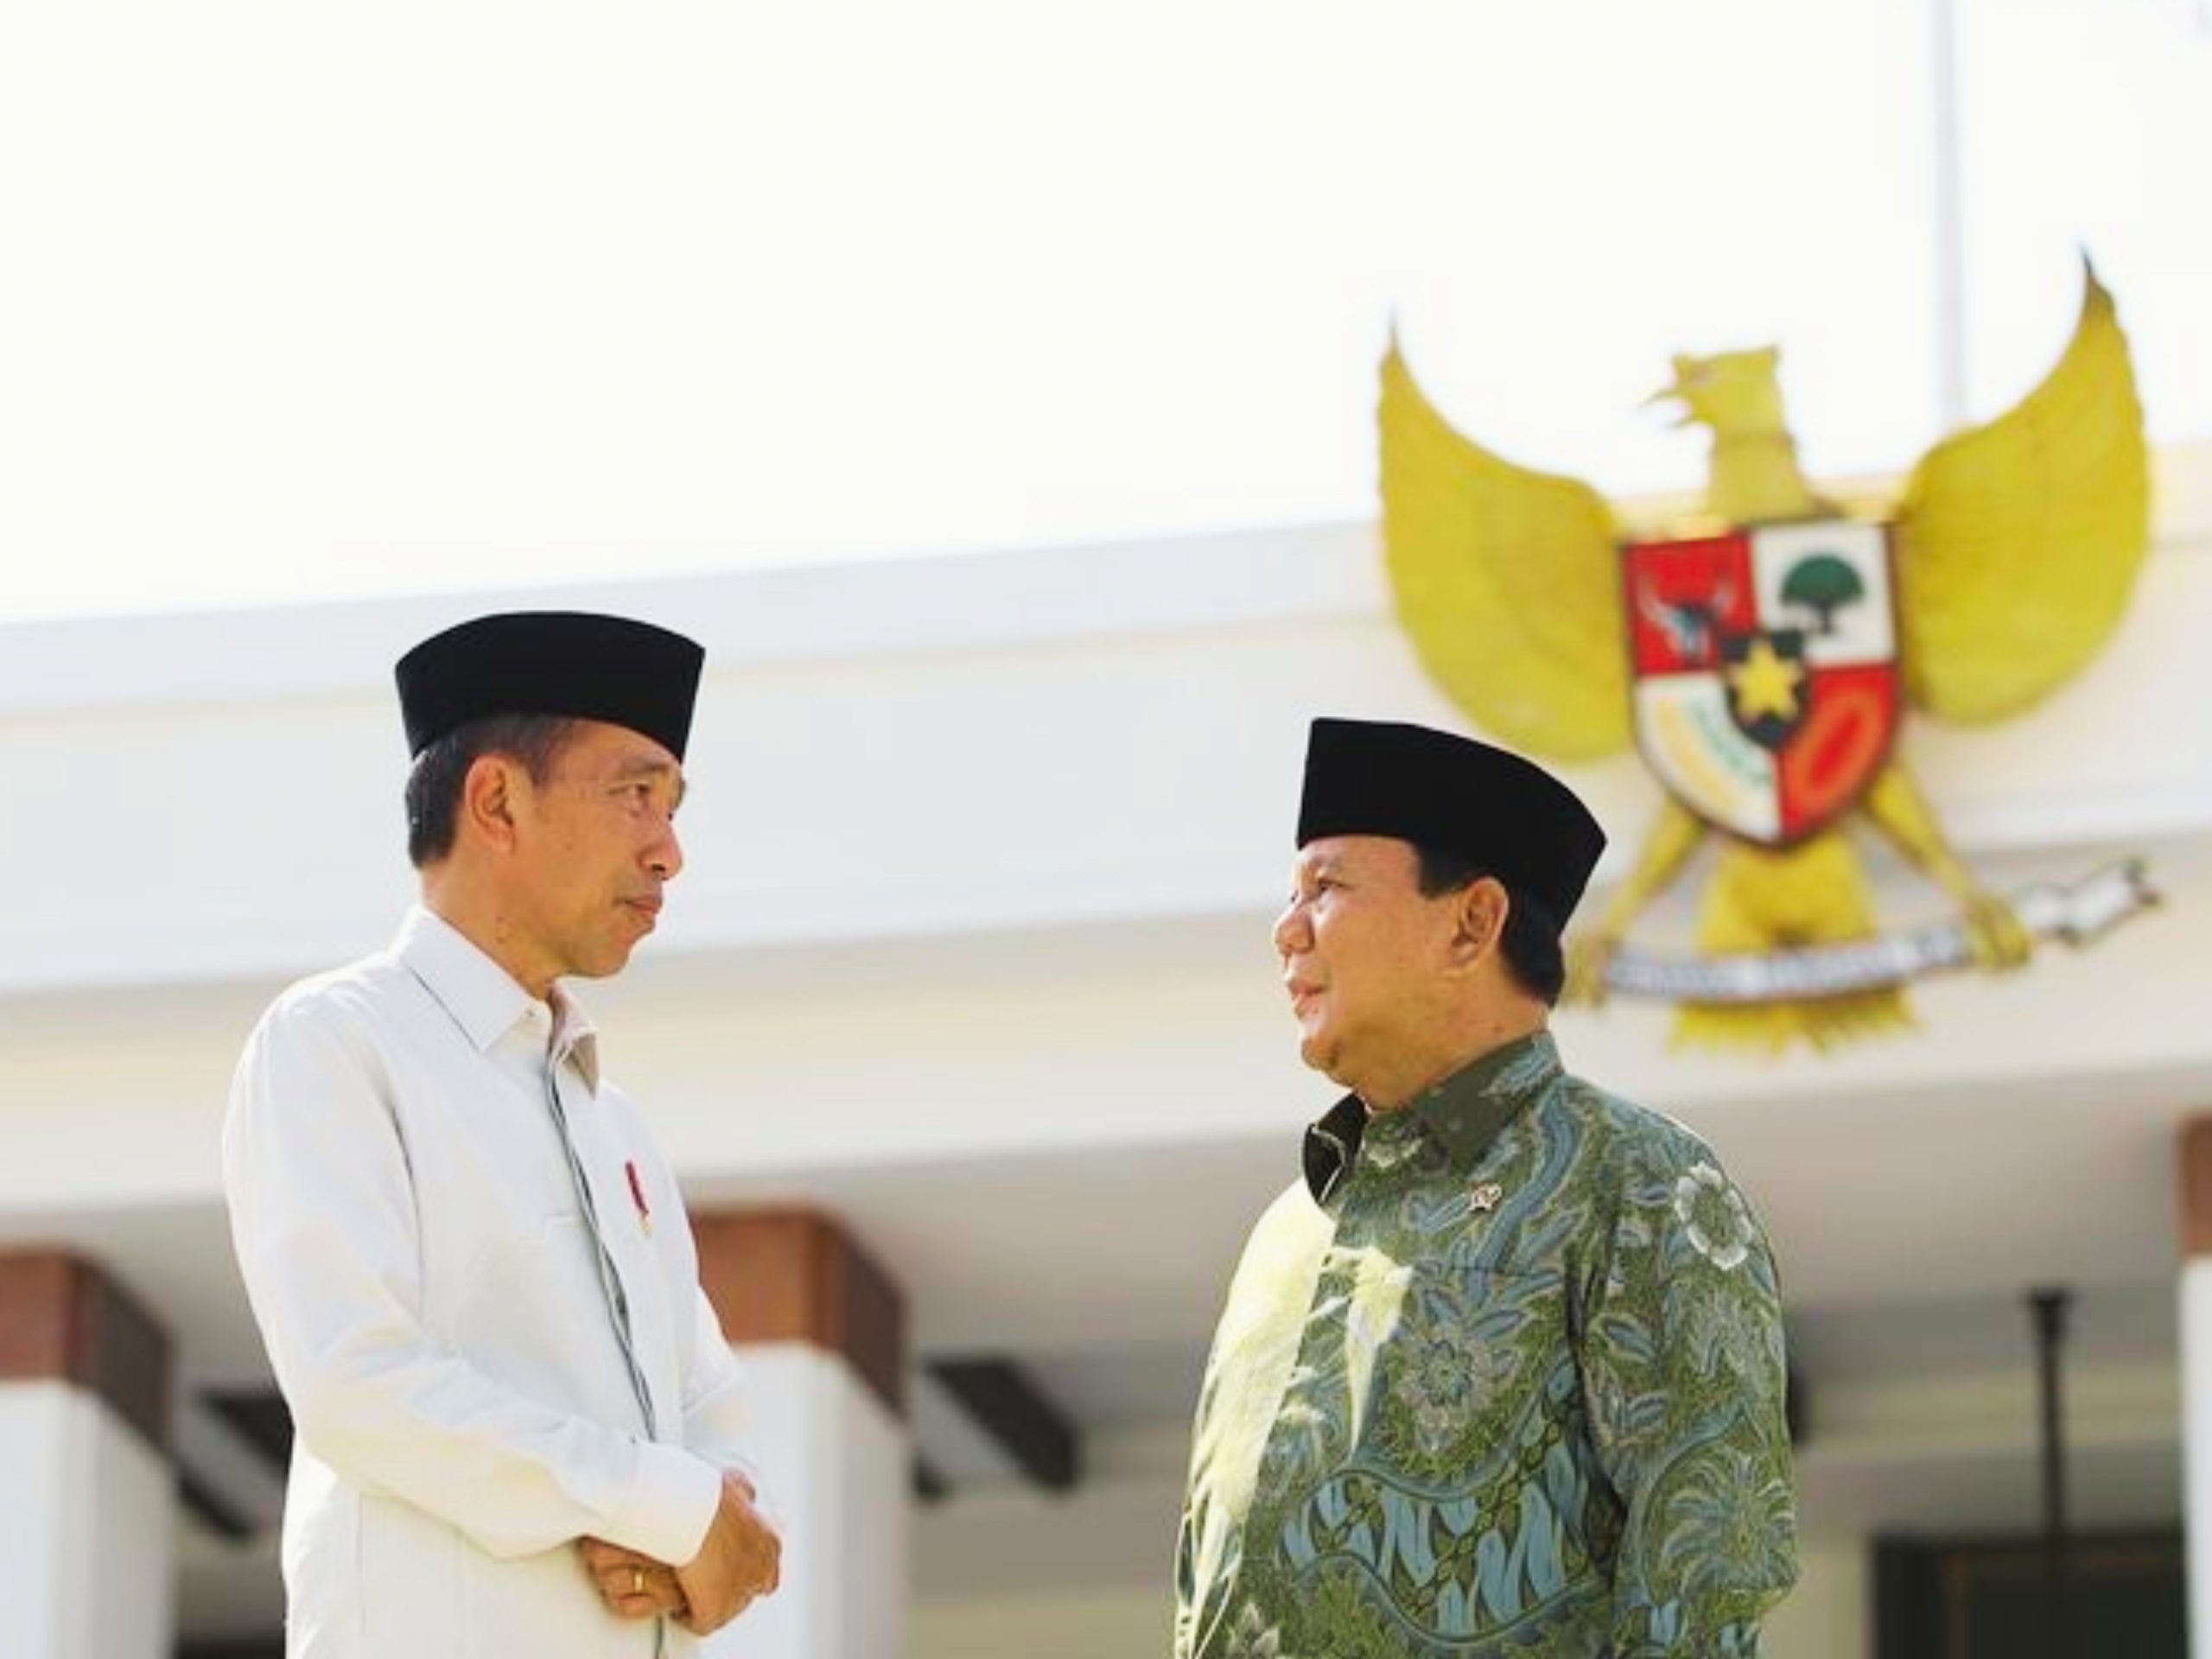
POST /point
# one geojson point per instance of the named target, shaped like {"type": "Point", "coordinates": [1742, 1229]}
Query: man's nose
{"type": "Point", "coordinates": [1292, 933]}
{"type": "Point", "coordinates": [666, 857]}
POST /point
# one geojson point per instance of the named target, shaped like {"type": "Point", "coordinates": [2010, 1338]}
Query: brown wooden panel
{"type": "Point", "coordinates": [62, 1318]}
{"type": "Point", "coordinates": [36, 1296]}
{"type": "Point", "coordinates": [795, 1275]}
{"type": "Point", "coordinates": [2197, 1186]}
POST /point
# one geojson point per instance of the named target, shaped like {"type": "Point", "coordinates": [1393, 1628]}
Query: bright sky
{"type": "Point", "coordinates": [306, 301]}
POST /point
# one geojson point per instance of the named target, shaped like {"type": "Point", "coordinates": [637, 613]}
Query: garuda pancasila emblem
{"type": "Point", "coordinates": [1772, 644]}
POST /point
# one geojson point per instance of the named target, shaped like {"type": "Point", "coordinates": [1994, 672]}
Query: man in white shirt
{"type": "Point", "coordinates": [517, 1420]}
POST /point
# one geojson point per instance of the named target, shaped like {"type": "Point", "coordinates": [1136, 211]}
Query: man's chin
{"type": "Point", "coordinates": [1319, 1053]}
{"type": "Point", "coordinates": [610, 962]}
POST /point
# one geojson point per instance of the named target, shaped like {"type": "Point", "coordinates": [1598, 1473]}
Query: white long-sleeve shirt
{"type": "Point", "coordinates": [410, 1232]}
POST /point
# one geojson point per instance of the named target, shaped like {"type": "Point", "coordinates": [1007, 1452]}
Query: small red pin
{"type": "Point", "coordinates": [638, 1196]}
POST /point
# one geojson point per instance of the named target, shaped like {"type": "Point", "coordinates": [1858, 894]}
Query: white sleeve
{"type": "Point", "coordinates": [717, 1424]}
{"type": "Point", "coordinates": [323, 1217]}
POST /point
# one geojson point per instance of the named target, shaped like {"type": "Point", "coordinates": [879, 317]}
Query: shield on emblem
{"type": "Point", "coordinates": [1765, 667]}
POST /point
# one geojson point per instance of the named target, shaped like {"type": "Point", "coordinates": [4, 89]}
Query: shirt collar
{"type": "Point", "coordinates": [574, 1036]}
{"type": "Point", "coordinates": [1460, 1115]}
{"type": "Point", "coordinates": [485, 1000]}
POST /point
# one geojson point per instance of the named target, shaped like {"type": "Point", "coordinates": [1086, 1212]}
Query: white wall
{"type": "Point", "coordinates": [890, 751]}
{"type": "Point", "coordinates": [2195, 1298]}
{"type": "Point", "coordinates": [835, 1471]}
{"type": "Point", "coordinates": [86, 1530]}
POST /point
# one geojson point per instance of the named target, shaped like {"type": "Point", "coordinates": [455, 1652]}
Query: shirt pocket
{"type": "Point", "coordinates": [535, 1259]}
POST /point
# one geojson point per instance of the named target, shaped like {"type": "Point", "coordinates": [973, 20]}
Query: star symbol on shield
{"type": "Point", "coordinates": [1765, 684]}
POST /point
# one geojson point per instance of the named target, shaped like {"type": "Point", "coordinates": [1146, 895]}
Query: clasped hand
{"type": "Point", "coordinates": [740, 1561]}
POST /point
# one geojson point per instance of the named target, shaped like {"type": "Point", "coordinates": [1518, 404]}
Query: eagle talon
{"type": "Point", "coordinates": [2000, 940]}
{"type": "Point", "coordinates": [1589, 962]}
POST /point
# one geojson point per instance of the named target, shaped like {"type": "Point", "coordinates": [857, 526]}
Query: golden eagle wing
{"type": "Point", "coordinates": [1508, 581]}
{"type": "Point", "coordinates": [2019, 541]}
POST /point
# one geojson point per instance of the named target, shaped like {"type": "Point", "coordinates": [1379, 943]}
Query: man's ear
{"type": "Point", "coordinates": [488, 799]}
{"type": "Point", "coordinates": [1478, 920]}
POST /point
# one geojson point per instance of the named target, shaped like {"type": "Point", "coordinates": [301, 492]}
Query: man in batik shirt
{"type": "Point", "coordinates": [1502, 1373]}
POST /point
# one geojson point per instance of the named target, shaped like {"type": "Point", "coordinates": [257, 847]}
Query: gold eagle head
{"type": "Point", "coordinates": [1730, 393]}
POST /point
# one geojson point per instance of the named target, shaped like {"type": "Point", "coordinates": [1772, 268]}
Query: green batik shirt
{"type": "Point", "coordinates": [1503, 1376]}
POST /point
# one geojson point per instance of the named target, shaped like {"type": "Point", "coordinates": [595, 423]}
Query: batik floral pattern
{"type": "Point", "coordinates": [1545, 1424]}
{"type": "Point", "coordinates": [1713, 1216]}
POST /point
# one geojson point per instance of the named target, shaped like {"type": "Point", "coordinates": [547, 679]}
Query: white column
{"type": "Point", "coordinates": [821, 1331]}
{"type": "Point", "coordinates": [2196, 1375]}
{"type": "Point", "coordinates": [89, 1513]}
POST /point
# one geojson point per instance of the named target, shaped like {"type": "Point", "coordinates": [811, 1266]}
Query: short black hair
{"type": "Point", "coordinates": [1530, 942]}
{"type": "Point", "coordinates": [434, 784]}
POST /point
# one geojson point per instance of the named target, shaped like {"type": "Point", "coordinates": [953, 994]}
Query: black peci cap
{"type": "Point", "coordinates": [1492, 808]}
{"type": "Point", "coordinates": [569, 663]}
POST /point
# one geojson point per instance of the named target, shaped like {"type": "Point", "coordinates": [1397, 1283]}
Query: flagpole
{"type": "Point", "coordinates": [1950, 219]}
{"type": "Point", "coordinates": [2047, 1312]}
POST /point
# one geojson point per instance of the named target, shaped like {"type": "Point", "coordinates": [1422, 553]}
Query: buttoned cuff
{"type": "Point", "coordinates": [671, 1503]}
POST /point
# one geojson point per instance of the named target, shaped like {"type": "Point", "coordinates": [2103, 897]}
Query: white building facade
{"type": "Point", "coordinates": [969, 966]}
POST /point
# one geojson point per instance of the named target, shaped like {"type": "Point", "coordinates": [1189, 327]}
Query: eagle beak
{"type": "Point", "coordinates": [1674, 394]}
